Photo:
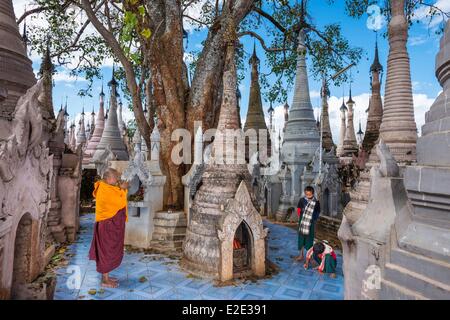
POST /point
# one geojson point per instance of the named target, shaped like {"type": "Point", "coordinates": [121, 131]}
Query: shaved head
{"type": "Point", "coordinates": [111, 175]}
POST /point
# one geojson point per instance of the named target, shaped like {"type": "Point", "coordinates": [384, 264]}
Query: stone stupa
{"type": "Point", "coordinates": [359, 234]}
{"type": "Point", "coordinates": [350, 145]}
{"type": "Point", "coordinates": [327, 138]}
{"type": "Point", "coordinates": [97, 133]}
{"type": "Point", "coordinates": [375, 105]}
{"type": "Point", "coordinates": [255, 115]}
{"type": "Point", "coordinates": [207, 241]}
{"type": "Point", "coordinates": [419, 259]}
{"type": "Point", "coordinates": [301, 138]}
{"type": "Point", "coordinates": [16, 73]}
{"type": "Point", "coordinates": [111, 134]}
{"type": "Point", "coordinates": [81, 134]}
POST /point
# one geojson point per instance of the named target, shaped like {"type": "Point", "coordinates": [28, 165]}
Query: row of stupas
{"type": "Point", "coordinates": [103, 130]}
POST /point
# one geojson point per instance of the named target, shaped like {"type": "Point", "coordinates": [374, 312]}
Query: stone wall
{"type": "Point", "coordinates": [327, 229]}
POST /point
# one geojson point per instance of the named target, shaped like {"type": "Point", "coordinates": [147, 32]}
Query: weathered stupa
{"type": "Point", "coordinates": [111, 134]}
{"type": "Point", "coordinates": [343, 128]}
{"type": "Point", "coordinates": [375, 105]}
{"type": "Point", "coordinates": [371, 211]}
{"type": "Point", "coordinates": [301, 138]}
{"type": "Point", "coordinates": [350, 145]}
{"type": "Point", "coordinates": [418, 264]}
{"type": "Point", "coordinates": [327, 138]}
{"type": "Point", "coordinates": [97, 134]}
{"type": "Point", "coordinates": [222, 212]}
{"type": "Point", "coordinates": [398, 128]}
{"type": "Point", "coordinates": [92, 124]}
{"type": "Point", "coordinates": [81, 134]}
{"type": "Point", "coordinates": [16, 75]}
{"type": "Point", "coordinates": [255, 115]}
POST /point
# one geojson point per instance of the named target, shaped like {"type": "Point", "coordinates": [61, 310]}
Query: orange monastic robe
{"type": "Point", "coordinates": [109, 200]}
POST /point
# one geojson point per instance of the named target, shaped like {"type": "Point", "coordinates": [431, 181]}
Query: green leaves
{"type": "Point", "coordinates": [146, 33]}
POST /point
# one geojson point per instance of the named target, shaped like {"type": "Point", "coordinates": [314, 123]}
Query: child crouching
{"type": "Point", "coordinates": [324, 255]}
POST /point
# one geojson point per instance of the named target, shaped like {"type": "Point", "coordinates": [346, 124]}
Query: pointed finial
{"type": "Point", "coordinates": [254, 60]}
{"type": "Point", "coordinates": [343, 107]}
{"type": "Point", "coordinates": [271, 110]}
{"type": "Point", "coordinates": [113, 81]}
{"type": "Point", "coordinates": [376, 65]}
{"type": "Point", "coordinates": [350, 100]}
{"type": "Point", "coordinates": [360, 132]}
{"type": "Point", "coordinates": [102, 93]}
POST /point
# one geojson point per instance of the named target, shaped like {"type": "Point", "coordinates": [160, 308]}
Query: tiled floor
{"type": "Point", "coordinates": [159, 277]}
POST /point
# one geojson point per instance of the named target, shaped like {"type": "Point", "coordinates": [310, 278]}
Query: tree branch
{"type": "Point", "coordinates": [270, 18]}
{"type": "Point", "coordinates": [261, 40]}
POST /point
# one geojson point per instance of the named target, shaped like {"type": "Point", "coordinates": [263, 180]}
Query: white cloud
{"type": "Point", "coordinates": [64, 76]}
{"type": "Point", "coordinates": [417, 41]}
{"type": "Point", "coordinates": [422, 13]}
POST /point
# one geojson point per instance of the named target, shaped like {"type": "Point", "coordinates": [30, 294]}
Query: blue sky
{"type": "Point", "coordinates": [422, 46]}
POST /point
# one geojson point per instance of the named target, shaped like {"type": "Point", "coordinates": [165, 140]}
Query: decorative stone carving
{"type": "Point", "coordinates": [241, 210]}
{"type": "Point", "coordinates": [102, 160]}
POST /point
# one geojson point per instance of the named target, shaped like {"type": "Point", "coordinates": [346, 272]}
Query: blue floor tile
{"type": "Point", "coordinates": [155, 276]}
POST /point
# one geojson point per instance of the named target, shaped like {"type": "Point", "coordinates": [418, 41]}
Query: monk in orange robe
{"type": "Point", "coordinates": [111, 213]}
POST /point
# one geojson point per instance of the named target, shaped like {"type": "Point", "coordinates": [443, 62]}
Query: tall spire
{"type": "Point", "coordinates": [376, 65]}
{"type": "Point", "coordinates": [327, 138]}
{"type": "Point", "coordinates": [111, 134]}
{"type": "Point", "coordinates": [343, 109]}
{"type": "Point", "coordinates": [360, 133]}
{"type": "Point", "coordinates": [92, 127]}
{"type": "Point", "coordinates": [255, 114]}
{"type": "Point", "coordinates": [350, 146]}
{"type": "Point", "coordinates": [97, 133]}
{"type": "Point", "coordinates": [81, 135]}
{"type": "Point", "coordinates": [398, 128]}
{"type": "Point", "coordinates": [301, 135]}
{"type": "Point", "coordinates": [375, 105]}
{"type": "Point", "coordinates": [25, 35]}
{"type": "Point", "coordinates": [16, 73]}
{"type": "Point", "coordinates": [46, 73]}
{"type": "Point", "coordinates": [122, 126]}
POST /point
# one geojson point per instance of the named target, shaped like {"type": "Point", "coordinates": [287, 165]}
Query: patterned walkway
{"type": "Point", "coordinates": [153, 276]}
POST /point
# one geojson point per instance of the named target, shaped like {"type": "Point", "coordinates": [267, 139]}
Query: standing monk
{"type": "Point", "coordinates": [308, 210]}
{"type": "Point", "coordinates": [109, 230]}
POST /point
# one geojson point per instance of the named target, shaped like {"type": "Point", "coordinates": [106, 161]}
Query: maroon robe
{"type": "Point", "coordinates": [108, 242]}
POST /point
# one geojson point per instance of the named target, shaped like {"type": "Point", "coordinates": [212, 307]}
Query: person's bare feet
{"type": "Point", "coordinates": [333, 275]}
{"type": "Point", "coordinates": [109, 283]}
{"type": "Point", "coordinates": [299, 258]}
{"type": "Point", "coordinates": [113, 279]}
